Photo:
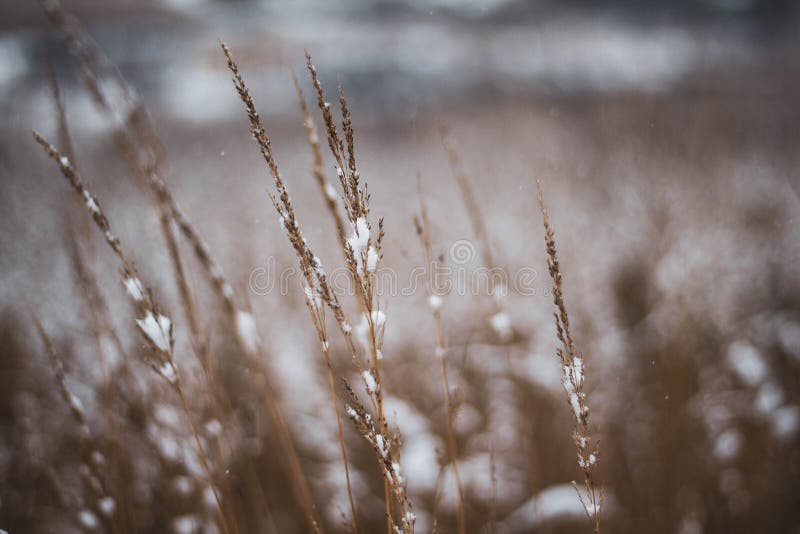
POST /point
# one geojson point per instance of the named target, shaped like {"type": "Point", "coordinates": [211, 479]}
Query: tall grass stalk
{"type": "Point", "coordinates": [435, 301]}
{"type": "Point", "coordinates": [573, 375]}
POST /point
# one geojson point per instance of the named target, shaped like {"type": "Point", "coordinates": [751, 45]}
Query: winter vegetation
{"type": "Point", "coordinates": [424, 361]}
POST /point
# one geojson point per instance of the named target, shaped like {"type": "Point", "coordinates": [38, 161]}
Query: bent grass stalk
{"type": "Point", "coordinates": [156, 328]}
{"type": "Point", "coordinates": [103, 505]}
{"type": "Point", "coordinates": [135, 135]}
{"type": "Point", "coordinates": [310, 265]}
{"type": "Point", "coordinates": [137, 142]}
{"type": "Point", "coordinates": [327, 191]}
{"type": "Point", "coordinates": [362, 252]}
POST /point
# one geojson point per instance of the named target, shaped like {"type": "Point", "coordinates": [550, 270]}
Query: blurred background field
{"type": "Point", "coordinates": [666, 137]}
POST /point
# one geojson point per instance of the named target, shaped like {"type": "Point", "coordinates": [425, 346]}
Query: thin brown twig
{"type": "Point", "coordinates": [326, 190]}
{"type": "Point", "coordinates": [499, 319]}
{"type": "Point", "coordinates": [435, 301]}
{"type": "Point", "coordinates": [137, 139]}
{"type": "Point", "coordinates": [316, 287]}
{"type": "Point", "coordinates": [93, 458]}
{"type": "Point", "coordinates": [362, 252]}
{"type": "Point", "coordinates": [573, 368]}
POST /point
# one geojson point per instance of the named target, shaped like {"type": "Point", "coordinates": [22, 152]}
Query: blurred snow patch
{"type": "Point", "coordinates": [541, 370]}
{"type": "Point", "coordinates": [690, 525]}
{"type": "Point", "coordinates": [789, 335]}
{"type": "Point", "coordinates": [182, 5]}
{"type": "Point", "coordinates": [768, 398]}
{"type": "Point", "coordinates": [728, 445]}
{"type": "Point", "coordinates": [470, 8]}
{"type": "Point", "coordinates": [577, 54]}
{"type": "Point", "coordinates": [785, 421]}
{"type": "Point", "coordinates": [747, 363]}
{"type": "Point", "coordinates": [553, 504]}
{"type": "Point", "coordinates": [475, 480]}
{"type": "Point", "coordinates": [199, 94]}
{"type": "Point", "coordinates": [13, 63]}
{"type": "Point", "coordinates": [185, 524]}
{"type": "Point", "coordinates": [419, 462]}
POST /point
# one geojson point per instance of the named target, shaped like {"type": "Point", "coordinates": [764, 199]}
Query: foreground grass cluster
{"type": "Point", "coordinates": [165, 448]}
{"type": "Point", "coordinates": [361, 244]}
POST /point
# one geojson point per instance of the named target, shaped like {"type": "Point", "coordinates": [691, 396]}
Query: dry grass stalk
{"type": "Point", "coordinates": [103, 505]}
{"type": "Point", "coordinates": [390, 465]}
{"type": "Point", "coordinates": [155, 327]}
{"type": "Point", "coordinates": [499, 319]}
{"type": "Point", "coordinates": [435, 301]}
{"type": "Point", "coordinates": [327, 191]}
{"type": "Point", "coordinates": [64, 136]}
{"type": "Point", "coordinates": [100, 323]}
{"type": "Point", "coordinates": [362, 251]}
{"type": "Point", "coordinates": [139, 143]}
{"type": "Point", "coordinates": [573, 368]}
{"type": "Point", "coordinates": [470, 202]}
{"type": "Point", "coordinates": [318, 292]}
{"type": "Point", "coordinates": [102, 329]}
{"type": "Point", "coordinates": [493, 499]}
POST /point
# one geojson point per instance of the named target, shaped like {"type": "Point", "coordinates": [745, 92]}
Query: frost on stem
{"type": "Point", "coordinates": [390, 466]}
{"type": "Point", "coordinates": [134, 288]}
{"type": "Point", "coordinates": [158, 330]}
{"type": "Point", "coordinates": [369, 382]}
{"type": "Point", "coordinates": [378, 319]}
{"type": "Point", "coordinates": [573, 381]}
{"type": "Point", "coordinates": [372, 260]}
{"type": "Point", "coordinates": [358, 243]}
{"type": "Point", "coordinates": [312, 297]}
{"type": "Point", "coordinates": [168, 371]}
{"type": "Point", "coordinates": [75, 404]}
{"type": "Point", "coordinates": [91, 203]}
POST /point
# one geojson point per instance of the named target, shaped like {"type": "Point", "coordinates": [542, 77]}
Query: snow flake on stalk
{"type": "Point", "coordinates": [358, 243]}
{"type": "Point", "coordinates": [381, 444]}
{"type": "Point", "coordinates": [134, 288]}
{"type": "Point", "coordinates": [312, 297]}
{"type": "Point", "coordinates": [91, 203]}
{"type": "Point", "coordinates": [158, 330]}
{"type": "Point", "coordinates": [369, 382]}
{"type": "Point", "coordinates": [372, 260]}
{"type": "Point", "coordinates": [168, 371]}
{"type": "Point", "coordinates": [378, 319]}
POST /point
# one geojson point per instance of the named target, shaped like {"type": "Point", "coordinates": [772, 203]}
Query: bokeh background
{"type": "Point", "coordinates": [666, 137]}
